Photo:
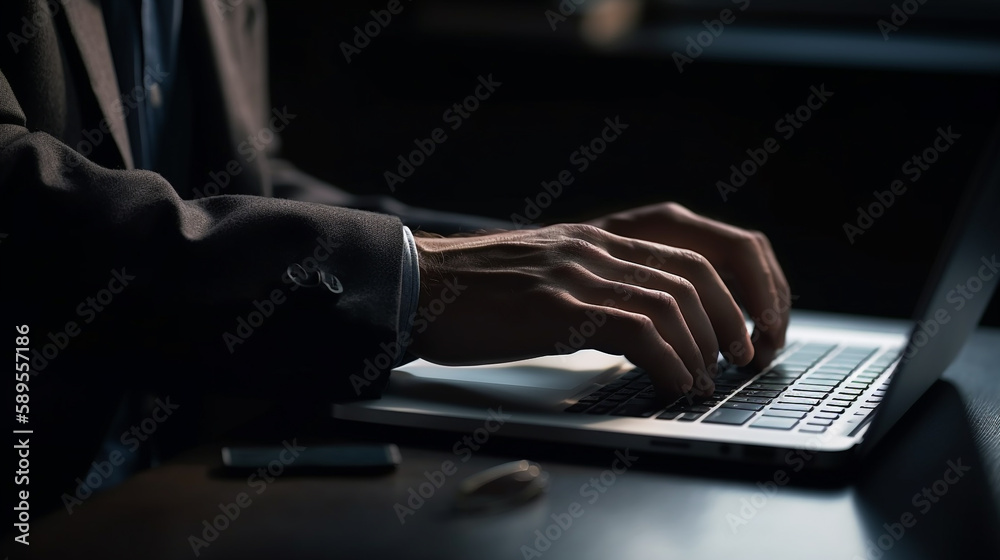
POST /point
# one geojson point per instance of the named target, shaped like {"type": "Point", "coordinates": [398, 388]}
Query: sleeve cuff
{"type": "Point", "coordinates": [409, 296]}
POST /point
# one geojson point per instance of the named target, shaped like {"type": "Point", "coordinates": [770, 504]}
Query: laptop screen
{"type": "Point", "coordinates": [957, 292]}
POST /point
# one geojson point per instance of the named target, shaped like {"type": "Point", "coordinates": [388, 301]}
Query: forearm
{"type": "Point", "coordinates": [145, 277]}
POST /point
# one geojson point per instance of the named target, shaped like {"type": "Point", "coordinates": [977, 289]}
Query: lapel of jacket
{"type": "Point", "coordinates": [86, 23]}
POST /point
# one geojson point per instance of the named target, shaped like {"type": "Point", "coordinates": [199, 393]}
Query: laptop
{"type": "Point", "coordinates": [834, 391]}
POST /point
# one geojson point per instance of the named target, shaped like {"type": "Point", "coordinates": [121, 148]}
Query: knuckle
{"type": "Point", "coordinates": [664, 301]}
{"type": "Point", "coordinates": [694, 258]}
{"type": "Point", "coordinates": [643, 324]}
{"type": "Point", "coordinates": [565, 269]}
{"type": "Point", "coordinates": [686, 288]}
{"type": "Point", "coordinates": [674, 209]}
{"type": "Point", "coordinates": [579, 248]}
{"type": "Point", "coordinates": [584, 231]}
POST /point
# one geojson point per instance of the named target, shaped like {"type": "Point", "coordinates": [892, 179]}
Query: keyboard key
{"type": "Point", "coordinates": [786, 369]}
{"type": "Point", "coordinates": [602, 408]}
{"type": "Point", "coordinates": [836, 404]}
{"type": "Point", "coordinates": [850, 391]}
{"type": "Point", "coordinates": [742, 405]}
{"type": "Point", "coordinates": [804, 394]}
{"type": "Point", "coordinates": [784, 413]}
{"type": "Point", "coordinates": [759, 393]}
{"type": "Point", "coordinates": [829, 376]}
{"type": "Point", "coordinates": [635, 373]}
{"type": "Point", "coordinates": [795, 407]}
{"type": "Point", "coordinates": [728, 416]}
{"type": "Point", "coordinates": [668, 415]}
{"type": "Point", "coordinates": [826, 416]}
{"type": "Point", "coordinates": [781, 374]}
{"type": "Point", "coordinates": [767, 386]}
{"type": "Point", "coordinates": [811, 389]}
{"type": "Point", "coordinates": [815, 422]}
{"type": "Point", "coordinates": [648, 392]}
{"type": "Point", "coordinates": [812, 429]}
{"type": "Point", "coordinates": [689, 416]}
{"type": "Point", "coordinates": [579, 407]}
{"type": "Point", "coordinates": [797, 365]}
{"type": "Point", "coordinates": [637, 408]}
{"type": "Point", "coordinates": [799, 400]}
{"type": "Point", "coordinates": [821, 382]}
{"type": "Point", "coordinates": [775, 423]}
{"type": "Point", "coordinates": [754, 400]}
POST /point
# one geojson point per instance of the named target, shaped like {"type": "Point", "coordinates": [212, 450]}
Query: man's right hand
{"type": "Point", "coordinates": [517, 294]}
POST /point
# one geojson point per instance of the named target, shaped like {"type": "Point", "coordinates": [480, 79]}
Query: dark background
{"type": "Point", "coordinates": [685, 129]}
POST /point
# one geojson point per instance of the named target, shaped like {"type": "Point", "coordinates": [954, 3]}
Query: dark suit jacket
{"type": "Point", "coordinates": [126, 281]}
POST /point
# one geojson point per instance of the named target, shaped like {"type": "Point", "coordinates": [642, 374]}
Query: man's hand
{"type": "Point", "coordinates": [520, 293]}
{"type": "Point", "coordinates": [744, 259]}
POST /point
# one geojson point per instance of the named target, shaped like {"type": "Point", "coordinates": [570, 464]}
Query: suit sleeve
{"type": "Point", "coordinates": [123, 282]}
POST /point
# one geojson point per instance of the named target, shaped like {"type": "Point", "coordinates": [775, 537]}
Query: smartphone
{"type": "Point", "coordinates": [314, 459]}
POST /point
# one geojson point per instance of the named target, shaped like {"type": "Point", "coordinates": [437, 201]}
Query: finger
{"type": "Point", "coordinates": [783, 305]}
{"type": "Point", "coordinates": [634, 336]}
{"type": "Point", "coordinates": [757, 282]}
{"type": "Point", "coordinates": [683, 292]}
{"type": "Point", "coordinates": [658, 306]}
{"type": "Point", "coordinates": [749, 265]}
{"type": "Point", "coordinates": [723, 312]}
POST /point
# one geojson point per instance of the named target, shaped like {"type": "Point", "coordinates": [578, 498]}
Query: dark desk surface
{"type": "Point", "coordinates": [659, 508]}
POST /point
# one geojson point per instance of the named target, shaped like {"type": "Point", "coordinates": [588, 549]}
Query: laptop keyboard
{"type": "Point", "coordinates": [810, 388]}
